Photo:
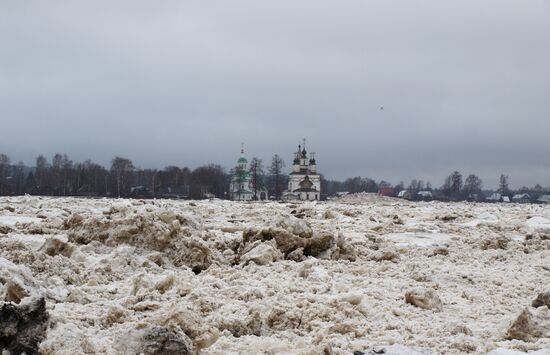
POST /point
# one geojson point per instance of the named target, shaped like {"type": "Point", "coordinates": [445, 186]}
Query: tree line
{"type": "Point", "coordinates": [63, 177]}
{"type": "Point", "coordinates": [455, 188]}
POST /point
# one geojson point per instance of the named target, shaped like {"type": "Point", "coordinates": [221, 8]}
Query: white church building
{"type": "Point", "coordinates": [304, 183]}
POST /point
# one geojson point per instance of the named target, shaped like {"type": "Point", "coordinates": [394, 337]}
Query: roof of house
{"type": "Point", "coordinates": [544, 198]}
{"type": "Point", "coordinates": [520, 196]}
{"type": "Point", "coordinates": [385, 191]}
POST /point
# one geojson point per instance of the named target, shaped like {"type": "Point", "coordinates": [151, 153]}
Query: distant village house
{"type": "Point", "coordinates": [496, 197]}
{"type": "Point", "coordinates": [521, 198]}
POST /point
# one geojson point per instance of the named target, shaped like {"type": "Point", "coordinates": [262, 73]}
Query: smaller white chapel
{"type": "Point", "coordinates": [242, 187]}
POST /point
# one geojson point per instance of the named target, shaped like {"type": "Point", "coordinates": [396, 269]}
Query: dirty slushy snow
{"type": "Point", "coordinates": [176, 277]}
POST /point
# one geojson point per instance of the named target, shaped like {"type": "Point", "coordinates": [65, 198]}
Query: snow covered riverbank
{"type": "Point", "coordinates": [130, 276]}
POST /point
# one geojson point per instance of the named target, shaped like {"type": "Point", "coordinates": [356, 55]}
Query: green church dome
{"type": "Point", "coordinates": [242, 160]}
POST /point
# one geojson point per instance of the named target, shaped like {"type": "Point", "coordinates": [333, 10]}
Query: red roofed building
{"type": "Point", "coordinates": [387, 191]}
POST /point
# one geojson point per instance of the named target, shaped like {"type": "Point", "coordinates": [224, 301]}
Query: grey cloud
{"type": "Point", "coordinates": [464, 85]}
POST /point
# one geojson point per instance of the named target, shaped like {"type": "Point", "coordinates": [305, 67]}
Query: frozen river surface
{"type": "Point", "coordinates": [360, 273]}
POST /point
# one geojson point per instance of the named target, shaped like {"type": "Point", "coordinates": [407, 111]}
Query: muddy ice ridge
{"type": "Point", "coordinates": [362, 274]}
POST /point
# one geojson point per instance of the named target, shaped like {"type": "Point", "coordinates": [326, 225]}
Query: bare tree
{"type": "Point", "coordinates": [61, 169]}
{"type": "Point", "coordinates": [208, 179]}
{"type": "Point", "coordinates": [453, 185]}
{"type": "Point", "coordinates": [354, 184]}
{"type": "Point", "coordinates": [57, 162]}
{"type": "Point", "coordinates": [503, 185]}
{"type": "Point", "coordinates": [19, 178]}
{"type": "Point", "coordinates": [154, 183]}
{"type": "Point", "coordinates": [41, 175]}
{"type": "Point", "coordinates": [399, 187]}
{"type": "Point", "coordinates": [121, 168]}
{"type": "Point", "coordinates": [331, 187]}
{"type": "Point", "coordinates": [472, 185]}
{"type": "Point", "coordinates": [66, 171]}
{"type": "Point", "coordinates": [4, 172]}
{"type": "Point", "coordinates": [171, 176]}
{"type": "Point", "coordinates": [256, 175]}
{"type": "Point", "coordinates": [276, 172]}
{"type": "Point", "coordinates": [416, 185]}
{"type": "Point", "coordinates": [91, 179]}
{"type": "Point", "coordinates": [413, 185]}
{"type": "Point", "coordinates": [456, 182]}
{"type": "Point", "coordinates": [370, 185]}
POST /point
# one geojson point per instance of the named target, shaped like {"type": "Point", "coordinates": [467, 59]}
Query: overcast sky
{"type": "Point", "coordinates": [464, 84]}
